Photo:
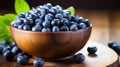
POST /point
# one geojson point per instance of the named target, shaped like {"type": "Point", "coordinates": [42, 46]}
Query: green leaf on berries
{"type": "Point", "coordinates": [71, 9]}
{"type": "Point", "coordinates": [4, 27]}
{"type": "Point", "coordinates": [21, 6]}
{"type": "Point", "coordinates": [8, 18]}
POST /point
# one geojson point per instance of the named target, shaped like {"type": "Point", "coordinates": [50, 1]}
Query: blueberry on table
{"type": "Point", "coordinates": [92, 49]}
{"type": "Point", "coordinates": [5, 42]}
{"type": "Point", "coordinates": [117, 49]}
{"type": "Point", "coordinates": [1, 48]}
{"type": "Point", "coordinates": [79, 58]}
{"type": "Point", "coordinates": [38, 62]}
{"type": "Point", "coordinates": [112, 44]}
{"type": "Point", "coordinates": [8, 55]}
{"type": "Point", "coordinates": [15, 50]}
{"type": "Point", "coordinates": [22, 60]}
{"type": "Point", "coordinates": [55, 29]}
{"type": "Point", "coordinates": [6, 49]}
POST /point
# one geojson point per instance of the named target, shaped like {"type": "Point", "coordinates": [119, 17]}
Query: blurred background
{"type": "Point", "coordinates": [104, 15]}
{"type": "Point", "coordinates": [78, 4]}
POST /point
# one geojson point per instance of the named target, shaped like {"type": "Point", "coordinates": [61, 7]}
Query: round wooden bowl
{"type": "Point", "coordinates": [50, 45]}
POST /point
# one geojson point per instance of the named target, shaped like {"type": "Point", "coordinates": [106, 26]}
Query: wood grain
{"type": "Point", "coordinates": [50, 45]}
{"type": "Point", "coordinates": [104, 57]}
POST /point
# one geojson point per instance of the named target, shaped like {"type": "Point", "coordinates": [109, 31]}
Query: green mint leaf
{"type": "Point", "coordinates": [71, 9]}
{"type": "Point", "coordinates": [4, 27]}
{"type": "Point", "coordinates": [8, 18]}
{"type": "Point", "coordinates": [21, 6]}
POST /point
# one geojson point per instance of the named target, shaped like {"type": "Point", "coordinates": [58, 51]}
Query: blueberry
{"type": "Point", "coordinates": [117, 49]}
{"type": "Point", "coordinates": [46, 24]}
{"type": "Point", "coordinates": [80, 20]}
{"type": "Point", "coordinates": [82, 26]}
{"type": "Point", "coordinates": [31, 16]}
{"type": "Point", "coordinates": [37, 28]}
{"type": "Point", "coordinates": [58, 7]}
{"type": "Point", "coordinates": [79, 58]}
{"type": "Point", "coordinates": [26, 27]}
{"type": "Point", "coordinates": [65, 21]}
{"type": "Point", "coordinates": [67, 15]}
{"type": "Point", "coordinates": [52, 11]}
{"type": "Point", "coordinates": [49, 17]}
{"type": "Point", "coordinates": [38, 62]}
{"type": "Point", "coordinates": [74, 18]}
{"type": "Point", "coordinates": [92, 49]}
{"type": "Point", "coordinates": [22, 60]}
{"type": "Point", "coordinates": [49, 5]}
{"type": "Point", "coordinates": [20, 54]}
{"type": "Point", "coordinates": [55, 29]}
{"type": "Point", "coordinates": [64, 28]}
{"type": "Point", "coordinates": [20, 26]}
{"type": "Point", "coordinates": [15, 25]}
{"type": "Point", "coordinates": [13, 44]}
{"type": "Point", "coordinates": [8, 55]}
{"type": "Point", "coordinates": [112, 44]}
{"type": "Point", "coordinates": [73, 28]}
{"type": "Point", "coordinates": [87, 22]}
{"type": "Point", "coordinates": [5, 42]}
{"type": "Point", "coordinates": [25, 21]}
{"type": "Point", "coordinates": [59, 16]}
{"type": "Point", "coordinates": [22, 15]}
{"type": "Point", "coordinates": [55, 22]}
{"type": "Point", "coordinates": [38, 21]}
{"type": "Point", "coordinates": [30, 21]}
{"type": "Point", "coordinates": [6, 49]}
{"type": "Point", "coordinates": [18, 21]}
{"type": "Point", "coordinates": [15, 50]}
{"type": "Point", "coordinates": [1, 48]}
{"type": "Point", "coordinates": [46, 30]}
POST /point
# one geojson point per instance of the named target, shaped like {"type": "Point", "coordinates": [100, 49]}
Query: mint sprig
{"type": "Point", "coordinates": [4, 26]}
{"type": "Point", "coordinates": [71, 9]}
{"type": "Point", "coordinates": [21, 6]}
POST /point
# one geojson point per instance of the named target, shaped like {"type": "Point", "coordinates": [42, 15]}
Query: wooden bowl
{"type": "Point", "coordinates": [50, 45]}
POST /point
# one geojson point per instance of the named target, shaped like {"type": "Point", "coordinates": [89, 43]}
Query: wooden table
{"type": "Point", "coordinates": [106, 25]}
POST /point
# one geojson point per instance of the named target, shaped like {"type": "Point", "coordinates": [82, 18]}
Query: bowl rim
{"type": "Point", "coordinates": [12, 27]}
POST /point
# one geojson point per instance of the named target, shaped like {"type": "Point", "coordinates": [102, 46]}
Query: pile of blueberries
{"type": "Point", "coordinates": [12, 53]}
{"type": "Point", "coordinates": [49, 18]}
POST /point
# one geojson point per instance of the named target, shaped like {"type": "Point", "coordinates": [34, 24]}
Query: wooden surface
{"type": "Point", "coordinates": [104, 57]}
{"type": "Point", "coordinates": [106, 26]}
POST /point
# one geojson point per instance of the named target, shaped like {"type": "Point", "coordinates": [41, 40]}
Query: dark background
{"type": "Point", "coordinates": [78, 4]}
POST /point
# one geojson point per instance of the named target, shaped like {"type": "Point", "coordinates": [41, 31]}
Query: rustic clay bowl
{"type": "Point", "coordinates": [50, 45]}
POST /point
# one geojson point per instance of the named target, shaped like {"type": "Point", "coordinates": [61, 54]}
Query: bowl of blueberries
{"type": "Point", "coordinates": [50, 32]}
